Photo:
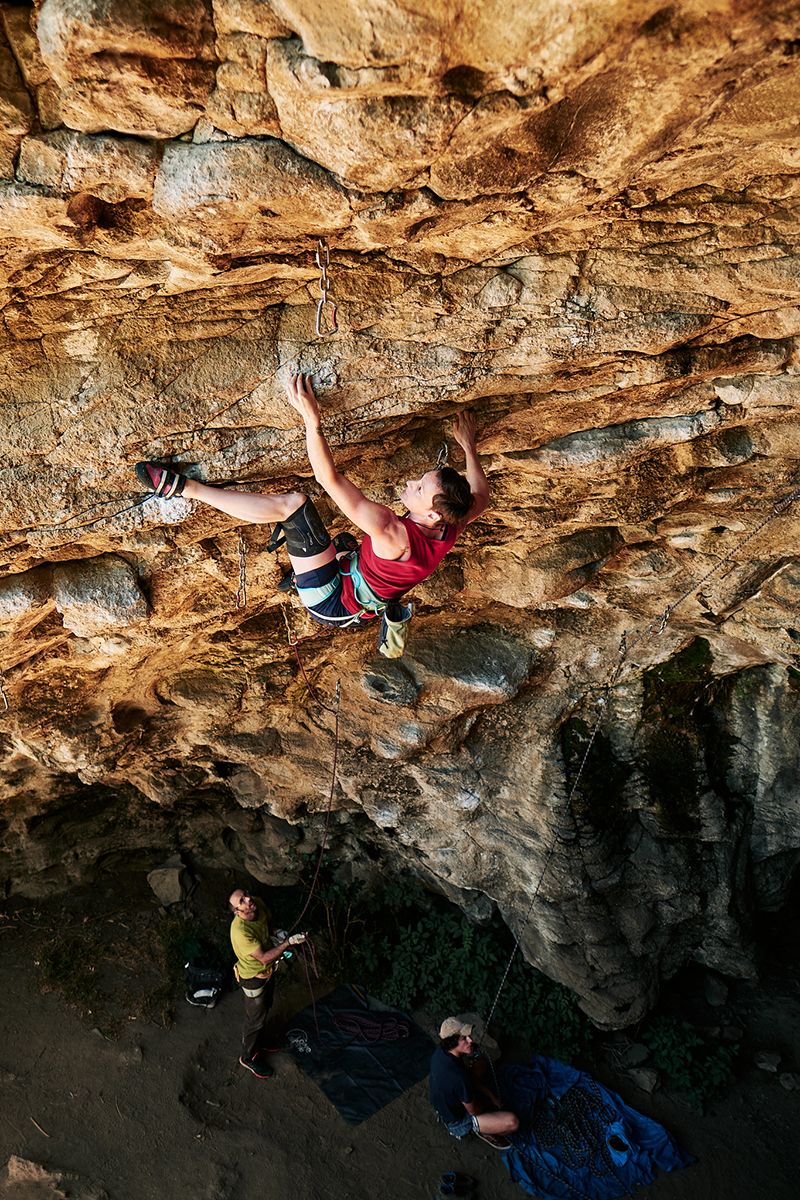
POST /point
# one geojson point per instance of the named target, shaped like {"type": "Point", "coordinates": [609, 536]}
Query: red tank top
{"type": "Point", "coordinates": [391, 579]}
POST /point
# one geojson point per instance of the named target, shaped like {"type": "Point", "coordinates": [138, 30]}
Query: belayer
{"type": "Point", "coordinates": [348, 588]}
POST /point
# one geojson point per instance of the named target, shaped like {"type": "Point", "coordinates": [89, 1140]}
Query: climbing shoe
{"type": "Point", "coordinates": [161, 481]}
{"type": "Point", "coordinates": [259, 1069]}
{"type": "Point", "coordinates": [287, 583]}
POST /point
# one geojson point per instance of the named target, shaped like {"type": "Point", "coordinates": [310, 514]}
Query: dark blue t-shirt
{"type": "Point", "coordinates": [449, 1086]}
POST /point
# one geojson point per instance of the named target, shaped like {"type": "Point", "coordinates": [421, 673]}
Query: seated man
{"type": "Point", "coordinates": [396, 553]}
{"type": "Point", "coordinates": [461, 1102]}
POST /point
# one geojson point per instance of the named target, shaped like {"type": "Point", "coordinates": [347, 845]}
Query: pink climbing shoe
{"type": "Point", "coordinates": [161, 481]}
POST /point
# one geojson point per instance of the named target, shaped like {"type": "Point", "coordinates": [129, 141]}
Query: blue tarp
{"type": "Point", "coordinates": [578, 1140]}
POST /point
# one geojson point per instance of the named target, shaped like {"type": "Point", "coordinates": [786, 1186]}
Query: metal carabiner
{"type": "Point", "coordinates": [321, 305]}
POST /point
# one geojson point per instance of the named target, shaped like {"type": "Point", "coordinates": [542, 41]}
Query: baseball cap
{"type": "Point", "coordinates": [454, 1025]}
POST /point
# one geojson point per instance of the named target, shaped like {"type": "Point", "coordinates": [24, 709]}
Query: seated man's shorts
{"type": "Point", "coordinates": [460, 1129]}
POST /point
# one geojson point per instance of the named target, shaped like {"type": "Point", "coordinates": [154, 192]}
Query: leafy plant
{"type": "Point", "coordinates": [691, 1062]}
{"type": "Point", "coordinates": [413, 949]}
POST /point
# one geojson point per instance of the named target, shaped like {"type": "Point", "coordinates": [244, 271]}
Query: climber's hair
{"type": "Point", "coordinates": [454, 500]}
{"type": "Point", "coordinates": [449, 1043]}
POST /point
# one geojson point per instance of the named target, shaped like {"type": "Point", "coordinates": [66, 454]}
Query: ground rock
{"type": "Point", "coordinates": [169, 881]}
{"type": "Point", "coordinates": [634, 1055]}
{"type": "Point", "coordinates": [767, 1060]}
{"type": "Point", "coordinates": [715, 990]}
{"type": "Point", "coordinates": [647, 1079]}
{"type": "Point", "coordinates": [23, 1179]}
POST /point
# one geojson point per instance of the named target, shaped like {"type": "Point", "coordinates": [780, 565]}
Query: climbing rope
{"type": "Point", "coordinates": [3, 695]}
{"type": "Point", "coordinates": [654, 629]}
{"type": "Point", "coordinates": [371, 1029]}
{"type": "Point", "coordinates": [328, 811]}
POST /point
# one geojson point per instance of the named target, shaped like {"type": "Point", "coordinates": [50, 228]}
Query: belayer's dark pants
{"type": "Point", "coordinates": [256, 1009]}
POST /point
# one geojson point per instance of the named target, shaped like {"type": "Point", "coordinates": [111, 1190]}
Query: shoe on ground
{"type": "Point", "coordinates": [256, 1067]}
{"type": "Point", "coordinates": [496, 1140]}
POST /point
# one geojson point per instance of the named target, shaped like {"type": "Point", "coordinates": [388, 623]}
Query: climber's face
{"type": "Point", "coordinates": [418, 494]}
{"type": "Point", "coordinates": [243, 905]}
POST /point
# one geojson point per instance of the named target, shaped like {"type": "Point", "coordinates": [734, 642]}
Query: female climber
{"type": "Point", "coordinates": [396, 552]}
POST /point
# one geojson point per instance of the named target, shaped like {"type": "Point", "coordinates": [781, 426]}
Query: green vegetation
{"type": "Point", "coordinates": [691, 1062]}
{"type": "Point", "coordinates": [413, 949]}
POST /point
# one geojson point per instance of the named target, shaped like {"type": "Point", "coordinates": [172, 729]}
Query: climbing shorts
{"type": "Point", "coordinates": [321, 592]}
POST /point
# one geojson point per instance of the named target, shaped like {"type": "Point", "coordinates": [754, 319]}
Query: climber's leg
{"type": "Point", "coordinates": [256, 507]}
{"type": "Point", "coordinates": [307, 540]}
{"type": "Point", "coordinates": [259, 508]}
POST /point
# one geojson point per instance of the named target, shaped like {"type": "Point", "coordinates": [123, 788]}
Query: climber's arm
{"type": "Point", "coordinates": [383, 526]}
{"type": "Point", "coordinates": [464, 434]}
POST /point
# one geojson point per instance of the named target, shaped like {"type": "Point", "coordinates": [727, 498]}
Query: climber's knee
{"type": "Point", "coordinates": [305, 531]}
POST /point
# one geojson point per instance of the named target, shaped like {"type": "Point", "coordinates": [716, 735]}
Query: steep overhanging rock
{"type": "Point", "coordinates": [582, 223]}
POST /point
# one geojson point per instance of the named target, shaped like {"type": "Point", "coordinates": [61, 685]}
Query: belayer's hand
{"type": "Point", "coordinates": [297, 939]}
{"type": "Point", "coordinates": [300, 394]}
{"type": "Point", "coordinates": [464, 430]}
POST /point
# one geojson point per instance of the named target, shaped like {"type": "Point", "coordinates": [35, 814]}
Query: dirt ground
{"type": "Point", "coordinates": [111, 1104]}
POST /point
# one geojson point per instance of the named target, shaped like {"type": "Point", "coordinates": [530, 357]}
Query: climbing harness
{"type": "Point", "coordinates": [241, 594]}
{"type": "Point", "coordinates": [322, 327]}
{"type": "Point", "coordinates": [655, 629]}
{"type": "Point", "coordinates": [395, 616]}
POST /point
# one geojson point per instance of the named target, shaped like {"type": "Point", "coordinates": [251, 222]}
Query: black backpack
{"type": "Point", "coordinates": [203, 984]}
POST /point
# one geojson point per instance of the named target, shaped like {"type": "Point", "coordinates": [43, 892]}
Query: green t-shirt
{"type": "Point", "coordinates": [247, 936]}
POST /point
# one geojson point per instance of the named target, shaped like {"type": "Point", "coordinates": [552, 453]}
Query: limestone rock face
{"type": "Point", "coordinates": [581, 221]}
{"type": "Point", "coordinates": [142, 67]}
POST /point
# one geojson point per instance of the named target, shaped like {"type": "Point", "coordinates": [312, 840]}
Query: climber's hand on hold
{"type": "Point", "coordinates": [464, 430]}
{"type": "Point", "coordinates": [300, 395]}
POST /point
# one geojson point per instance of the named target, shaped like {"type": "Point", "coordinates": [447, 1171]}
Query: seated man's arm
{"type": "Point", "coordinates": [464, 434]}
{"type": "Point", "coordinates": [385, 529]}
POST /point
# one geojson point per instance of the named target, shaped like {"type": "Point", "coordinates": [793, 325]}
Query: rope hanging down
{"type": "Point", "coordinates": [654, 629]}
{"type": "Point", "coordinates": [328, 810]}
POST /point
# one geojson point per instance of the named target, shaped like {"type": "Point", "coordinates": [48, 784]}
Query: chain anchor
{"type": "Point", "coordinates": [322, 258]}
{"type": "Point", "coordinates": [241, 593]}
